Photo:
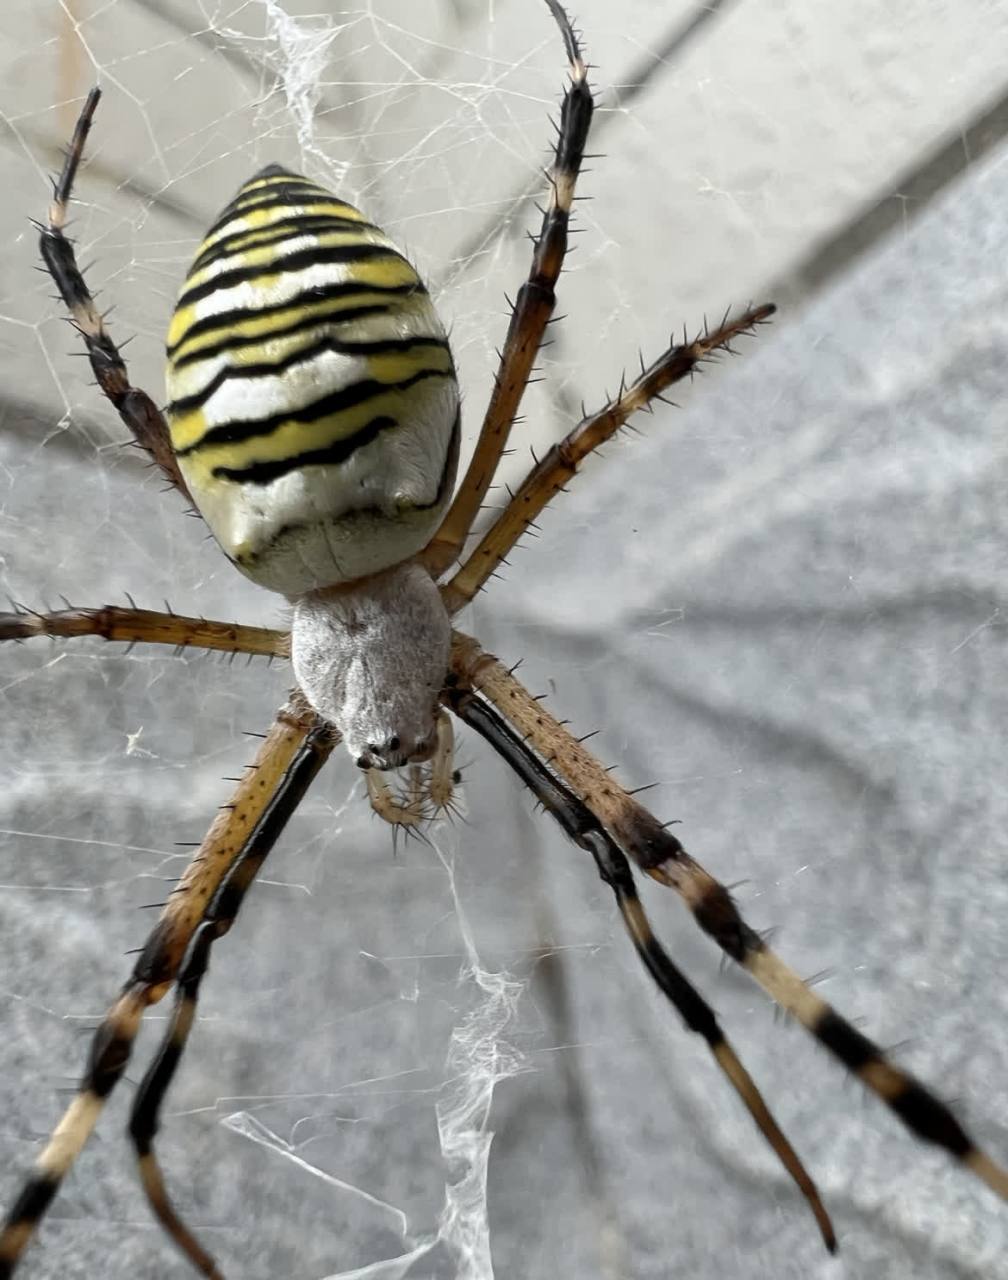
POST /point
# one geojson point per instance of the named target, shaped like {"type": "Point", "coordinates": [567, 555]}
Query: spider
{"type": "Point", "coordinates": [315, 427]}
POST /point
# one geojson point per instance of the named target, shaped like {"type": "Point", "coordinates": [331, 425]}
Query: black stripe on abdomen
{"type": "Point", "coordinates": [226, 320]}
{"type": "Point", "coordinates": [333, 403]}
{"type": "Point", "coordinates": [327, 343]}
{"type": "Point", "coordinates": [298, 192]}
{"type": "Point", "coordinates": [298, 224]}
{"type": "Point", "coordinates": [329, 455]}
{"type": "Point", "coordinates": [315, 256]}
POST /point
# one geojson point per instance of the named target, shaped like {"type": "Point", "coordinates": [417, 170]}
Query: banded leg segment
{"type": "Point", "coordinates": [559, 465]}
{"type": "Point", "coordinates": [220, 915]}
{"type": "Point", "coordinates": [145, 626]}
{"type": "Point", "coordinates": [663, 857]}
{"type": "Point", "coordinates": [531, 313]}
{"type": "Point", "coordinates": [585, 830]}
{"type": "Point", "coordinates": [137, 410]}
{"type": "Point", "coordinates": [154, 972]}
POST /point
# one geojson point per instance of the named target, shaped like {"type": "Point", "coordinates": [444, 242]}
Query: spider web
{"type": "Point", "coordinates": [443, 1062]}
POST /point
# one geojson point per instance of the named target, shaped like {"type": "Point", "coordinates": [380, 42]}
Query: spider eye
{"type": "Point", "coordinates": [393, 742]}
{"type": "Point", "coordinates": [363, 762]}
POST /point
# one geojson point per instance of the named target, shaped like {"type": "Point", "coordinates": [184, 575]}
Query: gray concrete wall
{"type": "Point", "coordinates": [784, 605]}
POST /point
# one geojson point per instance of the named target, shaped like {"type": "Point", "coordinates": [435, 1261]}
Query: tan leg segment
{"type": "Point", "coordinates": [153, 974]}
{"type": "Point", "coordinates": [137, 410]}
{"type": "Point", "coordinates": [532, 310]}
{"type": "Point", "coordinates": [145, 626]}
{"type": "Point", "coordinates": [662, 856]}
{"type": "Point", "coordinates": [583, 828]}
{"type": "Point", "coordinates": [442, 781]}
{"type": "Point", "coordinates": [559, 465]}
{"type": "Point", "coordinates": [217, 920]}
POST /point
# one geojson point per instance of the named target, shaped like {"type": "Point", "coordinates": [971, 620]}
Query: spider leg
{"type": "Point", "coordinates": [218, 918]}
{"type": "Point", "coordinates": [429, 790]}
{"type": "Point", "coordinates": [530, 315]}
{"type": "Point", "coordinates": [442, 781]}
{"type": "Point", "coordinates": [406, 810]}
{"type": "Point", "coordinates": [137, 410]}
{"type": "Point", "coordinates": [662, 856]}
{"type": "Point", "coordinates": [584, 829]}
{"type": "Point", "coordinates": [145, 626]}
{"type": "Point", "coordinates": [154, 972]}
{"type": "Point", "coordinates": [561, 462]}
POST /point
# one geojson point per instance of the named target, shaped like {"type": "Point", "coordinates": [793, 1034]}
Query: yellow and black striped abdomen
{"type": "Point", "coordinates": [313, 404]}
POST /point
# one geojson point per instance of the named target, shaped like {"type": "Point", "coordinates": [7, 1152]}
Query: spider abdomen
{"type": "Point", "coordinates": [313, 403]}
{"type": "Point", "coordinates": [371, 659]}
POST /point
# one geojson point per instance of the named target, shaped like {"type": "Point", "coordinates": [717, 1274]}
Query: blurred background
{"type": "Point", "coordinates": [783, 604]}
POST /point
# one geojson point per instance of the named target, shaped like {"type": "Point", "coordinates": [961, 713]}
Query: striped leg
{"type": "Point", "coordinates": [662, 856]}
{"type": "Point", "coordinates": [532, 310]}
{"type": "Point", "coordinates": [145, 626]}
{"type": "Point", "coordinates": [559, 465]}
{"type": "Point", "coordinates": [154, 972]}
{"type": "Point", "coordinates": [584, 829]}
{"type": "Point", "coordinates": [220, 915]}
{"type": "Point", "coordinates": [137, 410]}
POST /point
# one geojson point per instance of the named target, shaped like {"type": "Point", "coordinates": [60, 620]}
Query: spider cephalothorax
{"type": "Point", "coordinates": [314, 420]}
{"type": "Point", "coordinates": [371, 659]}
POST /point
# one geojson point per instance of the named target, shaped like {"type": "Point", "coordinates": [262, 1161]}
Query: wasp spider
{"type": "Point", "coordinates": [314, 423]}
